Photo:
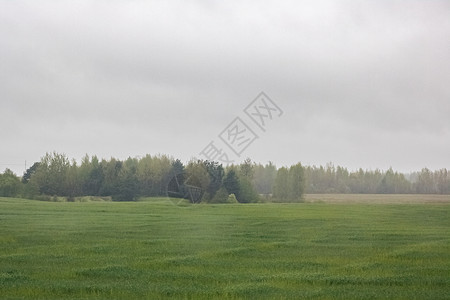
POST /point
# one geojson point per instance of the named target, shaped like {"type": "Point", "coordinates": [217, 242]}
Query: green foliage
{"type": "Point", "coordinates": [330, 179]}
{"type": "Point", "coordinates": [232, 199]}
{"type": "Point", "coordinates": [9, 184]}
{"type": "Point", "coordinates": [425, 183]}
{"type": "Point", "coordinates": [281, 186]}
{"type": "Point", "coordinates": [197, 181]}
{"type": "Point", "coordinates": [247, 193]}
{"type": "Point", "coordinates": [221, 196]}
{"type": "Point", "coordinates": [29, 172]}
{"type": "Point", "coordinates": [128, 184]}
{"type": "Point", "coordinates": [289, 184]}
{"type": "Point", "coordinates": [51, 174]}
{"type": "Point", "coordinates": [93, 178]}
{"type": "Point", "coordinates": [216, 173]}
{"type": "Point", "coordinates": [111, 177]}
{"type": "Point", "coordinates": [153, 174]}
{"type": "Point", "coordinates": [175, 180]}
{"type": "Point", "coordinates": [197, 174]}
{"type": "Point", "coordinates": [246, 169]}
{"type": "Point", "coordinates": [296, 183]}
{"type": "Point", "coordinates": [56, 175]}
{"type": "Point", "coordinates": [231, 183]}
{"type": "Point", "coordinates": [393, 183]}
{"type": "Point", "coordinates": [264, 178]}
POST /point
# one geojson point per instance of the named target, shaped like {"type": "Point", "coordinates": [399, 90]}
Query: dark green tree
{"type": "Point", "coordinates": [94, 180]}
{"type": "Point", "coordinates": [216, 174]}
{"type": "Point", "coordinates": [175, 180]}
{"type": "Point", "coordinates": [9, 184]}
{"type": "Point", "coordinates": [127, 182]}
{"type": "Point", "coordinates": [232, 184]}
{"type": "Point", "coordinates": [29, 172]}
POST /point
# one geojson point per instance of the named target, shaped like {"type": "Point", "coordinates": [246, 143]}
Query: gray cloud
{"type": "Point", "coordinates": [363, 84]}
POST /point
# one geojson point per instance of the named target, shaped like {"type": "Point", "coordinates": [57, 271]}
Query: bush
{"type": "Point", "coordinates": [232, 199]}
{"type": "Point", "coordinates": [221, 196]}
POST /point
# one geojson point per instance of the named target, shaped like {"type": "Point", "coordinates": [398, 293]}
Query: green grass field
{"type": "Point", "coordinates": [154, 249]}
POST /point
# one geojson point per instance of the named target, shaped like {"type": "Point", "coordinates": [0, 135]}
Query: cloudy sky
{"type": "Point", "coordinates": [360, 83]}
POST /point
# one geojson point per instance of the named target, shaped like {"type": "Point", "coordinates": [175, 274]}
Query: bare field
{"type": "Point", "coordinates": [378, 198]}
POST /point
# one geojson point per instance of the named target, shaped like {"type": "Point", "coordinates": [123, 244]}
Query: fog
{"type": "Point", "coordinates": [361, 84]}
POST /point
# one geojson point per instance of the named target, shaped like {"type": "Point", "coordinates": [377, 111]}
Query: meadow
{"type": "Point", "coordinates": [326, 248]}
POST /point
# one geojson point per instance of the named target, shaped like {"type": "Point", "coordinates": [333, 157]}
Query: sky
{"type": "Point", "coordinates": [361, 84]}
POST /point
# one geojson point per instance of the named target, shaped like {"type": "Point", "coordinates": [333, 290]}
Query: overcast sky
{"type": "Point", "coordinates": [360, 83]}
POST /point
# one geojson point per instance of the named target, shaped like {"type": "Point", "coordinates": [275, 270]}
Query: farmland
{"type": "Point", "coordinates": [366, 247]}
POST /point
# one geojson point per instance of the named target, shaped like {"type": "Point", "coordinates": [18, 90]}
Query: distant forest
{"type": "Point", "coordinates": [55, 175]}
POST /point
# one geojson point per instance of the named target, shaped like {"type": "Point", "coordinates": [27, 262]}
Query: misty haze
{"type": "Point", "coordinates": [224, 149]}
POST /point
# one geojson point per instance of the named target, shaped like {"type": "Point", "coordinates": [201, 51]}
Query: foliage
{"type": "Point", "coordinates": [9, 184]}
{"type": "Point", "coordinates": [264, 178]}
{"type": "Point", "coordinates": [296, 183]}
{"type": "Point", "coordinates": [29, 172]}
{"type": "Point", "coordinates": [331, 179]}
{"type": "Point", "coordinates": [281, 187]}
{"type": "Point", "coordinates": [149, 176]}
{"type": "Point", "coordinates": [51, 174]}
{"type": "Point", "coordinates": [247, 193]}
{"type": "Point", "coordinates": [221, 196]}
{"type": "Point", "coordinates": [216, 173]}
{"type": "Point", "coordinates": [232, 184]}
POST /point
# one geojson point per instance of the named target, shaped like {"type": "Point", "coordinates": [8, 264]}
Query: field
{"type": "Point", "coordinates": [334, 249]}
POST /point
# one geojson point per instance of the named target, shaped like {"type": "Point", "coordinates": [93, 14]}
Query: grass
{"type": "Point", "coordinates": [154, 249]}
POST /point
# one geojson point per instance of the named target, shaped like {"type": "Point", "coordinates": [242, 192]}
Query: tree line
{"type": "Point", "coordinates": [206, 181]}
{"type": "Point", "coordinates": [331, 179]}
{"type": "Point", "coordinates": [55, 175]}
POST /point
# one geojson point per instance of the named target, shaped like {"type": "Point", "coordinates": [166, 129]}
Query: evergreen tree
{"type": "Point", "coordinates": [232, 184]}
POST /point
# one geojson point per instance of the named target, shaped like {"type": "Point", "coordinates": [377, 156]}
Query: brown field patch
{"type": "Point", "coordinates": [378, 198]}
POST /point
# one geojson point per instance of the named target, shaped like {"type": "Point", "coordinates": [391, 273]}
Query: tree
{"type": "Point", "coordinates": [246, 169]}
{"type": "Point", "coordinates": [216, 173]}
{"type": "Point", "coordinates": [73, 183]}
{"type": "Point", "coordinates": [232, 184]}
{"type": "Point", "coordinates": [221, 196]}
{"type": "Point", "coordinates": [127, 182]}
{"type": "Point", "coordinates": [175, 180]}
{"type": "Point", "coordinates": [9, 184]}
{"type": "Point", "coordinates": [296, 183]}
{"type": "Point", "coordinates": [425, 183]}
{"type": "Point", "coordinates": [51, 174]}
{"type": "Point", "coordinates": [281, 187]}
{"type": "Point", "coordinates": [247, 193]}
{"type": "Point", "coordinates": [111, 177]}
{"type": "Point", "coordinates": [196, 182]}
{"type": "Point", "coordinates": [93, 178]}
{"type": "Point", "coordinates": [29, 172]}
{"type": "Point", "coordinates": [442, 178]}
{"type": "Point", "coordinates": [154, 174]}
{"type": "Point", "coordinates": [264, 178]}
{"type": "Point", "coordinates": [289, 184]}
{"type": "Point", "coordinates": [30, 188]}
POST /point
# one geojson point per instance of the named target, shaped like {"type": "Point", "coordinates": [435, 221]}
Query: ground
{"type": "Point", "coordinates": [366, 247]}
